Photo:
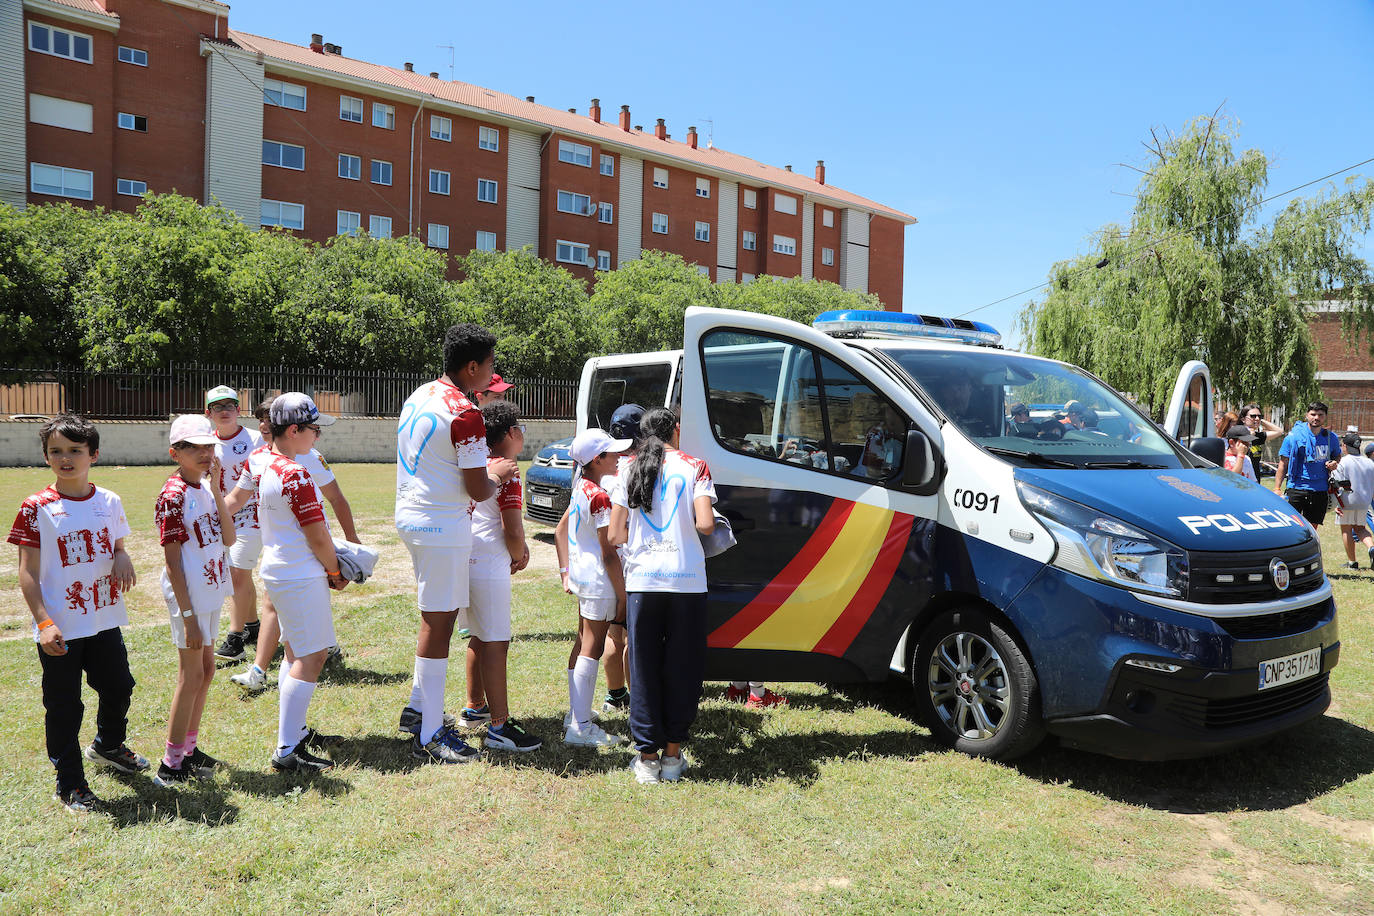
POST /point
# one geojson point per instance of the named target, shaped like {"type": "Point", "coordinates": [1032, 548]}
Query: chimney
{"type": "Point", "coordinates": [820, 171]}
{"type": "Point", "coordinates": [434, 74]}
{"type": "Point", "coordinates": [410, 68]}
{"type": "Point", "coordinates": [788, 167]}
{"type": "Point", "coordinates": [661, 130]}
{"type": "Point", "coordinates": [594, 112]}
{"type": "Point", "coordinates": [317, 43]}
{"type": "Point", "coordinates": [572, 111]}
{"type": "Point", "coordinates": [692, 137]}
{"type": "Point", "coordinates": [529, 98]}
{"type": "Point", "coordinates": [330, 48]}
{"type": "Point", "coordinates": [640, 128]}
{"type": "Point", "coordinates": [625, 118]}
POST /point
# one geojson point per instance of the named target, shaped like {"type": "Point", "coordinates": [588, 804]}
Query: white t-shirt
{"type": "Point", "coordinates": [287, 501]}
{"type": "Point", "coordinates": [320, 473]}
{"type": "Point", "coordinates": [1359, 470]}
{"type": "Point", "coordinates": [590, 512]}
{"type": "Point", "coordinates": [440, 434]}
{"type": "Point", "coordinates": [233, 458]}
{"type": "Point", "coordinates": [186, 514]}
{"type": "Point", "coordinates": [75, 539]}
{"type": "Point", "coordinates": [663, 553]}
{"type": "Point", "coordinates": [490, 559]}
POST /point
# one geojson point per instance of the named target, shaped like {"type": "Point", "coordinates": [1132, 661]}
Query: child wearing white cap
{"type": "Point", "coordinates": [194, 527]}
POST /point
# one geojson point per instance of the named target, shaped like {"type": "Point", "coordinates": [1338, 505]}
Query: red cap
{"type": "Point", "coordinates": [498, 384]}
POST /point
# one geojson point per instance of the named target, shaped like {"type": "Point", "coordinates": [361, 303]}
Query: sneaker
{"type": "Point", "coordinates": [335, 655]}
{"type": "Point", "coordinates": [231, 650]}
{"type": "Point", "coordinates": [1351, 565]}
{"type": "Point", "coordinates": [736, 694]}
{"type": "Point", "coordinates": [614, 703]}
{"type": "Point", "coordinates": [1371, 558]}
{"type": "Point", "coordinates": [445, 747]}
{"type": "Point", "coordinates": [670, 768]}
{"type": "Point", "coordinates": [81, 800]}
{"type": "Point", "coordinates": [173, 777]}
{"type": "Point", "coordinates": [510, 736]}
{"type": "Point", "coordinates": [769, 698]}
{"type": "Point", "coordinates": [410, 720]}
{"type": "Point", "coordinates": [591, 736]}
{"type": "Point", "coordinates": [646, 771]}
{"type": "Point", "coordinates": [252, 680]}
{"type": "Point", "coordinates": [121, 758]}
{"type": "Point", "coordinates": [202, 762]}
{"type": "Point", "coordinates": [300, 758]}
{"type": "Point", "coordinates": [472, 718]}
{"type": "Point", "coordinates": [568, 719]}
{"type": "Point", "coordinates": [318, 741]}
{"type": "Point", "coordinates": [250, 633]}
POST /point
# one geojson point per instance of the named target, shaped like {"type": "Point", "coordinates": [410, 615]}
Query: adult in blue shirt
{"type": "Point", "coordinates": [1308, 456]}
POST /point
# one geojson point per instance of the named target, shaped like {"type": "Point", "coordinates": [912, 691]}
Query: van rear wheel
{"type": "Point", "coordinates": [975, 687]}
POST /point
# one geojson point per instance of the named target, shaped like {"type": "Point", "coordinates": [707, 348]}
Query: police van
{"type": "Point", "coordinates": [1108, 586]}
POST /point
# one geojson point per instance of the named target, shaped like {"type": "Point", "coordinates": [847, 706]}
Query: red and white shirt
{"type": "Point", "coordinates": [663, 553]}
{"type": "Point", "coordinates": [287, 501]}
{"type": "Point", "coordinates": [490, 558]}
{"type": "Point", "coordinates": [233, 460]}
{"type": "Point", "coordinates": [321, 475]}
{"type": "Point", "coordinates": [186, 514]}
{"type": "Point", "coordinates": [440, 434]}
{"type": "Point", "coordinates": [589, 512]}
{"type": "Point", "coordinates": [75, 538]}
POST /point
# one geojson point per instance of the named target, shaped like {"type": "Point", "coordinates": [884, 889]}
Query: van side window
{"type": "Point", "coordinates": [612, 386]}
{"type": "Point", "coordinates": [866, 433]}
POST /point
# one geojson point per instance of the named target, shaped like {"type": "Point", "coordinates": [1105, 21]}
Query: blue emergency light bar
{"type": "Point", "coordinates": [898, 325]}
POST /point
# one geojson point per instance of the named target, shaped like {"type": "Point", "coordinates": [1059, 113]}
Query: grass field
{"type": "Point", "coordinates": [838, 803]}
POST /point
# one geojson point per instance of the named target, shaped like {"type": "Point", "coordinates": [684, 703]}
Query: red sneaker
{"type": "Point", "coordinates": [769, 698]}
{"type": "Point", "coordinates": [736, 694]}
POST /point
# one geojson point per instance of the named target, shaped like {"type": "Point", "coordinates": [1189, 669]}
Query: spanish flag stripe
{"type": "Point", "coordinates": [836, 641]}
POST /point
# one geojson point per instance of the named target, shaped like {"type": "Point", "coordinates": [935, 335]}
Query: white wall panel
{"type": "Point", "coordinates": [233, 131]}
{"type": "Point", "coordinates": [14, 168]}
{"type": "Point", "coordinates": [630, 237]}
{"type": "Point", "coordinates": [522, 190]}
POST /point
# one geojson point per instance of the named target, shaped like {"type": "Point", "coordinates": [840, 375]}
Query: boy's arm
{"type": "Point", "coordinates": [611, 558]}
{"type": "Point", "coordinates": [123, 567]}
{"type": "Point", "coordinates": [342, 510]}
{"type": "Point", "coordinates": [619, 532]}
{"type": "Point", "coordinates": [50, 639]}
{"type": "Point", "coordinates": [560, 547]}
{"type": "Point", "coordinates": [513, 527]}
{"type": "Point", "coordinates": [322, 546]}
{"type": "Point", "coordinates": [237, 499]}
{"type": "Point", "coordinates": [227, 534]}
{"type": "Point", "coordinates": [171, 551]}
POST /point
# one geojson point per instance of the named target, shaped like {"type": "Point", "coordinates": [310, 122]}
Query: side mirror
{"type": "Point", "coordinates": [1209, 447]}
{"type": "Point", "coordinates": [923, 467]}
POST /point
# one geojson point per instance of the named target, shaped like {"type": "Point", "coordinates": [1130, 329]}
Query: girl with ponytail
{"type": "Point", "coordinates": [660, 508]}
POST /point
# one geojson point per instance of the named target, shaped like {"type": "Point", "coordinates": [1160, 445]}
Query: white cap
{"type": "Point", "coordinates": [194, 428]}
{"type": "Point", "coordinates": [592, 442]}
{"type": "Point", "coordinates": [221, 393]}
{"type": "Point", "coordinates": [295, 407]}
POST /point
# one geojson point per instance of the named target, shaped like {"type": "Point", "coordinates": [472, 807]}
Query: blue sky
{"type": "Point", "coordinates": [999, 126]}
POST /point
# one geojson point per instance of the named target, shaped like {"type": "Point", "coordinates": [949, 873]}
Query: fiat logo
{"type": "Point", "coordinates": [1279, 571]}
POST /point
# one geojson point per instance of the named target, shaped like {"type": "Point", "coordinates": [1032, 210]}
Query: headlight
{"type": "Point", "coordinates": [1098, 546]}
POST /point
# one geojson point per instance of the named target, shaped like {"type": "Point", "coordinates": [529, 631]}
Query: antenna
{"type": "Point", "coordinates": [710, 132]}
{"type": "Point", "coordinates": [450, 59]}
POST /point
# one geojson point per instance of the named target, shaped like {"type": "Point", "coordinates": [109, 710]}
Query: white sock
{"type": "Point", "coordinates": [431, 673]}
{"type": "Point", "coordinates": [757, 689]}
{"type": "Point", "coordinates": [293, 701]}
{"type": "Point", "coordinates": [572, 697]}
{"type": "Point", "coordinates": [415, 686]}
{"type": "Point", "coordinates": [739, 685]}
{"type": "Point", "coordinates": [582, 689]}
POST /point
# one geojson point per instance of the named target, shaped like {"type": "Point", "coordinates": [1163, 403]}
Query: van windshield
{"type": "Point", "coordinates": [1035, 412]}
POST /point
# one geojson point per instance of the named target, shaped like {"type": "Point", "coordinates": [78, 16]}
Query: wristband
{"type": "Point", "coordinates": [563, 570]}
{"type": "Point", "coordinates": [46, 623]}
{"type": "Point", "coordinates": [186, 614]}
{"type": "Point", "coordinates": [333, 575]}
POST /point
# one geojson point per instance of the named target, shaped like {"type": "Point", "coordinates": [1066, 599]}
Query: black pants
{"type": "Point", "coordinates": [106, 663]}
{"type": "Point", "coordinates": [1311, 503]}
{"type": "Point", "coordinates": [667, 633]}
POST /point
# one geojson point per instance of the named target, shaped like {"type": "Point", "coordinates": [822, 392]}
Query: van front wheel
{"type": "Point", "coordinates": [975, 688]}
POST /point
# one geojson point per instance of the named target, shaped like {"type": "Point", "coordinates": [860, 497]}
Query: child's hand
{"type": "Point", "coordinates": [621, 608]}
{"type": "Point", "coordinates": [194, 640]}
{"type": "Point", "coordinates": [213, 474]}
{"type": "Point", "coordinates": [51, 642]}
{"type": "Point", "coordinates": [123, 568]}
{"type": "Point", "coordinates": [338, 583]}
{"type": "Point", "coordinates": [567, 586]}
{"type": "Point", "coordinates": [517, 565]}
{"type": "Point", "coordinates": [504, 468]}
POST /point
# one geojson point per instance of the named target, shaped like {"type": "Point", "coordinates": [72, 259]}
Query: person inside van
{"type": "Point", "coordinates": [1019, 421]}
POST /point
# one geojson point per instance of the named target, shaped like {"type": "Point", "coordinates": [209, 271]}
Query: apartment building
{"type": "Point", "coordinates": [102, 100]}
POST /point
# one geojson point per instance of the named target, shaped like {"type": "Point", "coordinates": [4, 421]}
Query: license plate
{"type": "Point", "coordinates": [538, 500]}
{"type": "Point", "coordinates": [1290, 668]}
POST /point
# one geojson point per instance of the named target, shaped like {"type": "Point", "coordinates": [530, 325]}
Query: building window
{"type": "Point", "coordinates": [704, 270]}
{"type": "Point", "coordinates": [64, 113]}
{"type": "Point", "coordinates": [486, 190]}
{"type": "Point", "coordinates": [440, 128]}
{"type": "Point", "coordinates": [569, 202]}
{"type": "Point", "coordinates": [283, 95]}
{"type": "Point", "coordinates": [828, 257]}
{"type": "Point", "coordinates": [660, 178]}
{"type": "Point", "coordinates": [751, 199]}
{"type": "Point", "coordinates": [438, 236]}
{"type": "Point", "coordinates": [703, 187]}
{"type": "Point", "coordinates": [785, 204]}
{"type": "Point", "coordinates": [703, 231]}
{"type": "Point", "coordinates": [46, 39]}
{"type": "Point", "coordinates": [489, 138]}
{"type": "Point", "coordinates": [608, 164]}
{"type": "Point", "coordinates": [349, 222]}
{"type": "Point", "coordinates": [576, 153]}
{"type": "Point", "coordinates": [381, 172]}
{"type": "Point", "coordinates": [350, 109]}
{"type": "Point", "coordinates": [605, 213]}
{"type": "Point", "coordinates": [133, 122]}
{"type": "Point", "coordinates": [130, 187]}
{"type": "Point", "coordinates": [660, 223]}
{"type": "Point", "coordinates": [281, 213]}
{"type": "Point", "coordinates": [603, 260]}
{"type": "Point", "coordinates": [746, 278]}
{"type": "Point", "coordinates": [751, 241]}
{"type": "Point", "coordinates": [828, 218]}
{"type": "Point", "coordinates": [784, 245]}
{"type": "Point", "coordinates": [379, 227]}
{"type": "Point", "coordinates": [283, 155]}
{"type": "Point", "coordinates": [438, 182]}
{"type": "Point", "coordinates": [61, 182]}
{"type": "Point", "coordinates": [350, 167]}
{"type": "Point", "coordinates": [383, 116]}
{"type": "Point", "coordinates": [486, 241]}
{"type": "Point", "coordinates": [135, 56]}
{"type": "Point", "coordinates": [572, 253]}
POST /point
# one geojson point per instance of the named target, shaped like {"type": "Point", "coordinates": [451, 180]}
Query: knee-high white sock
{"type": "Point", "coordinates": [431, 673]}
{"type": "Point", "coordinates": [415, 686]}
{"type": "Point", "coordinates": [292, 705]}
{"type": "Point", "coordinates": [582, 689]}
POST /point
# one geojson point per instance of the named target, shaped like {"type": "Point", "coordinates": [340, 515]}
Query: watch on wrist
{"type": "Point", "coordinates": [186, 613]}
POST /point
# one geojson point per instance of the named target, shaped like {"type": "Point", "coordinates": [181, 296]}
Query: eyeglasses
{"type": "Point", "coordinates": [313, 428]}
{"type": "Point", "coordinates": [224, 405]}
{"type": "Point", "coordinates": [520, 428]}
{"type": "Point", "coordinates": [1254, 416]}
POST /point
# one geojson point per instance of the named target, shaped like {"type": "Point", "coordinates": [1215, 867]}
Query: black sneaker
{"type": "Point", "coordinates": [509, 736]}
{"type": "Point", "coordinates": [444, 747]}
{"type": "Point", "coordinates": [300, 758]}
{"type": "Point", "coordinates": [202, 762]}
{"type": "Point", "coordinates": [334, 656]}
{"type": "Point", "coordinates": [171, 778]}
{"type": "Point", "coordinates": [1351, 565]}
{"type": "Point", "coordinates": [231, 650]}
{"type": "Point", "coordinates": [318, 741]}
{"type": "Point", "coordinates": [410, 720]}
{"type": "Point", "coordinates": [121, 758]}
{"type": "Point", "coordinates": [250, 633]}
{"type": "Point", "coordinates": [81, 800]}
{"type": "Point", "coordinates": [614, 702]}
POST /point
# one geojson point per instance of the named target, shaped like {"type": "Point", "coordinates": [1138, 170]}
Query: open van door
{"type": "Point", "coordinates": [1191, 407]}
{"type": "Point", "coordinates": [646, 379]}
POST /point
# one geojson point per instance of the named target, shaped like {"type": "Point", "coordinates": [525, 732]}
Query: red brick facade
{"type": "Point", "coordinates": [1346, 370]}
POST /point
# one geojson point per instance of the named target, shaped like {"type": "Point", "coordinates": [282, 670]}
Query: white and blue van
{"type": "Point", "coordinates": [1104, 584]}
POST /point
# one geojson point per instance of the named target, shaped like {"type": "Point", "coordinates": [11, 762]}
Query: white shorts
{"type": "Point", "coordinates": [487, 615]}
{"type": "Point", "coordinates": [247, 546]}
{"type": "Point", "coordinates": [208, 624]}
{"type": "Point", "coordinates": [597, 608]}
{"type": "Point", "coordinates": [441, 576]}
{"type": "Point", "coordinates": [303, 611]}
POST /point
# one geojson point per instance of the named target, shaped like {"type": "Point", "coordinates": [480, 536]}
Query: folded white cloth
{"type": "Point", "coordinates": [356, 562]}
{"type": "Point", "coordinates": [719, 540]}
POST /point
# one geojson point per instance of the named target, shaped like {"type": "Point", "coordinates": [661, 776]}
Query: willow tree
{"type": "Point", "coordinates": [1196, 275]}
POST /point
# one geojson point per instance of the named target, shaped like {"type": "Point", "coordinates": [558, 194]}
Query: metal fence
{"type": "Point", "coordinates": [180, 388]}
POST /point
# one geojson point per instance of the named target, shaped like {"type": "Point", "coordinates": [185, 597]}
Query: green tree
{"type": "Point", "coordinates": [641, 304]}
{"type": "Point", "coordinates": [794, 298]}
{"type": "Point", "coordinates": [1196, 276]}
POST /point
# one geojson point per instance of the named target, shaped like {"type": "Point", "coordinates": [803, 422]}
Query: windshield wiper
{"type": "Point", "coordinates": [1126, 463]}
{"type": "Point", "coordinates": [1037, 457]}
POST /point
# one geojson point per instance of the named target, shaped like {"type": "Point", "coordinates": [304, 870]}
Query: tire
{"type": "Point", "coordinates": [995, 713]}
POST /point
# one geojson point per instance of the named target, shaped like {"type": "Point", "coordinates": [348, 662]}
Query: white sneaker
{"type": "Point", "coordinates": [646, 771]}
{"type": "Point", "coordinates": [670, 768]}
{"type": "Point", "coordinates": [591, 736]}
{"type": "Point", "coordinates": [568, 719]}
{"type": "Point", "coordinates": [252, 679]}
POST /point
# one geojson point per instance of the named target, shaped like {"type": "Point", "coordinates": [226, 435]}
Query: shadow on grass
{"type": "Point", "coordinates": [382, 753]}
{"type": "Point", "coordinates": [268, 783]}
{"type": "Point", "coordinates": [544, 537]}
{"type": "Point", "coordinates": [202, 801]}
{"type": "Point", "coordinates": [345, 675]}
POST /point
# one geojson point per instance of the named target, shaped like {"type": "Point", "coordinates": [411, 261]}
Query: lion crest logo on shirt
{"type": "Point", "coordinates": [240, 447]}
{"type": "Point", "coordinates": [1191, 489]}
